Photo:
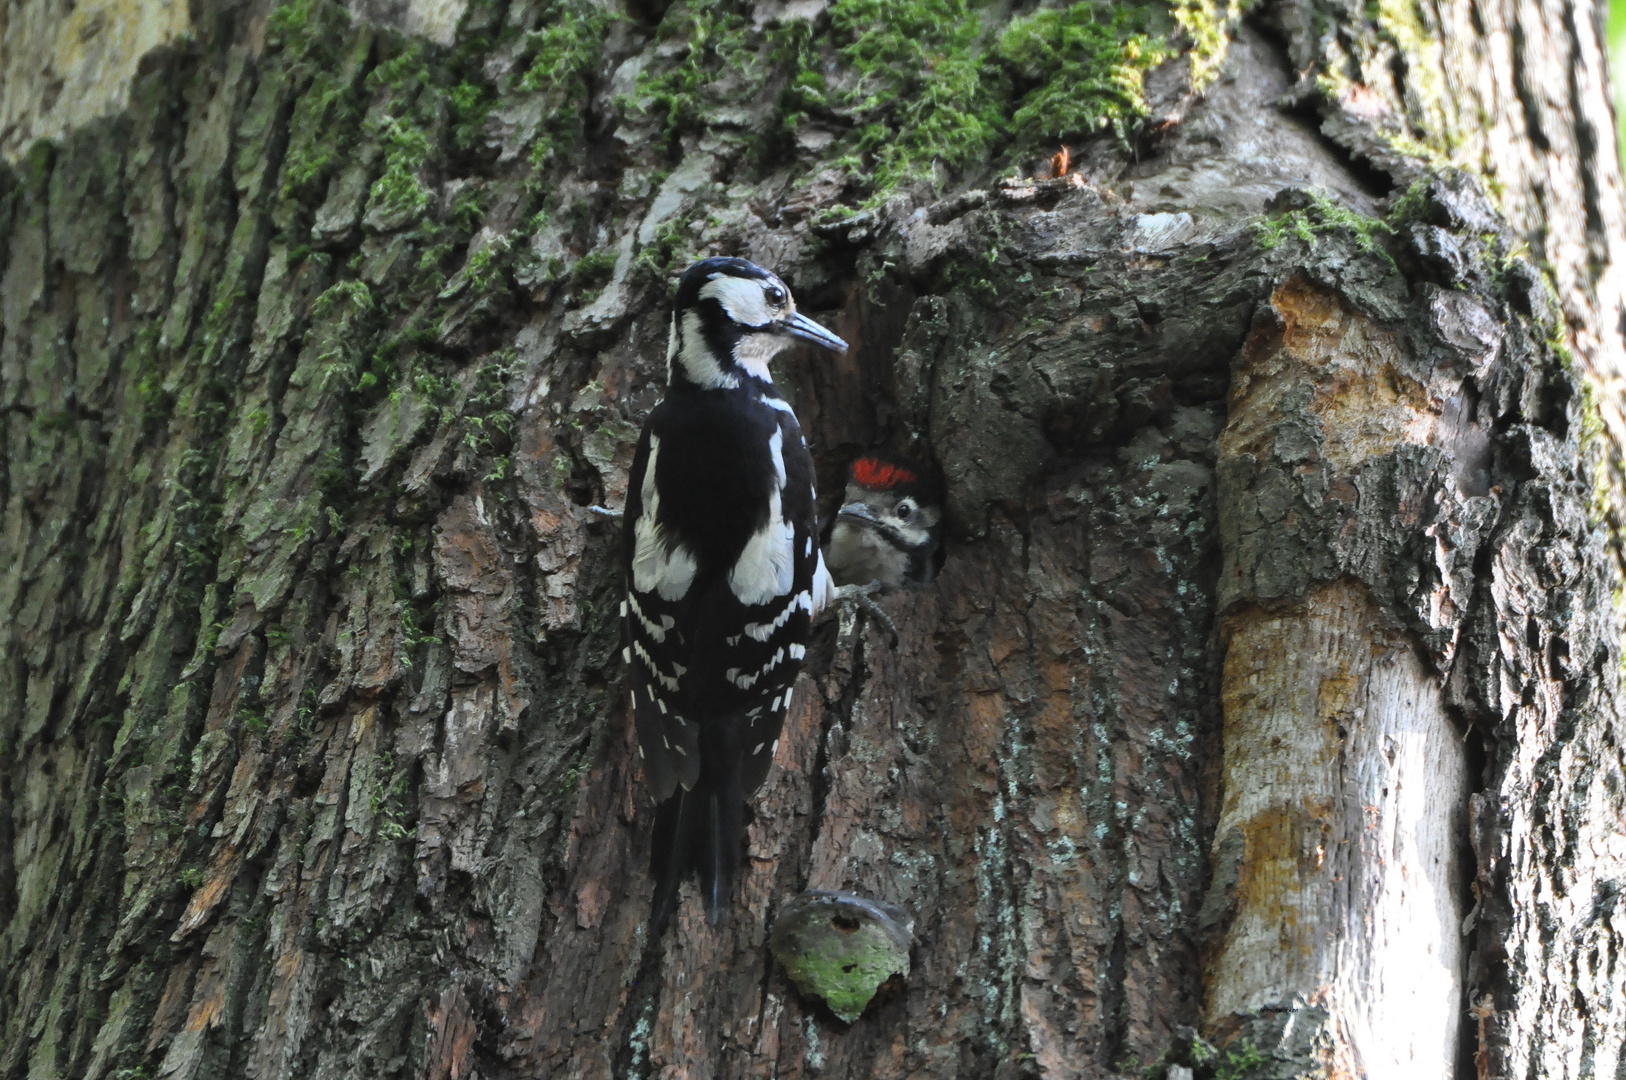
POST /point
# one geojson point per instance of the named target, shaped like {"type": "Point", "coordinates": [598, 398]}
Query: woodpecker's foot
{"type": "Point", "coordinates": [855, 599]}
{"type": "Point", "coordinates": [606, 512]}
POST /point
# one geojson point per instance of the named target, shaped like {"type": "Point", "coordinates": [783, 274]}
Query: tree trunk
{"type": "Point", "coordinates": [1269, 692]}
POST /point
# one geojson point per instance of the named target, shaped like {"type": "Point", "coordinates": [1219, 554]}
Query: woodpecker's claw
{"type": "Point", "coordinates": [606, 512]}
{"type": "Point", "coordinates": [857, 598]}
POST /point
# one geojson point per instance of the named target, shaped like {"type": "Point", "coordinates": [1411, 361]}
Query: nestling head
{"type": "Point", "coordinates": [889, 527]}
{"type": "Point", "coordinates": [730, 318]}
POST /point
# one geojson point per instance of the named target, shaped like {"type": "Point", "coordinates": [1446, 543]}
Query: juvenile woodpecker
{"type": "Point", "coordinates": [890, 524]}
{"type": "Point", "coordinates": [723, 571]}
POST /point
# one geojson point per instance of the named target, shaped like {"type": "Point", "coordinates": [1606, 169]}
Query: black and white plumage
{"type": "Point", "coordinates": [723, 570]}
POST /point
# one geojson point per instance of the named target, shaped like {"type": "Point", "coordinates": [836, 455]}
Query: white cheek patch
{"type": "Point", "coordinates": [658, 567]}
{"type": "Point", "coordinates": [742, 298]}
{"type": "Point", "coordinates": [696, 357]}
{"type": "Point", "coordinates": [766, 568]}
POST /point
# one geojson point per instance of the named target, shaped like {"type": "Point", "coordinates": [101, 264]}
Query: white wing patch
{"type": "Point", "coordinates": [667, 570]}
{"type": "Point", "coordinates": [767, 566]}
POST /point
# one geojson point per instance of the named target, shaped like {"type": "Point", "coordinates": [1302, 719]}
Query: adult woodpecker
{"type": "Point", "coordinates": [723, 571]}
{"type": "Point", "coordinates": [890, 524]}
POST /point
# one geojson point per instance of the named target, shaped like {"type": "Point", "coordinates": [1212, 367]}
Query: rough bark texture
{"type": "Point", "coordinates": [317, 348]}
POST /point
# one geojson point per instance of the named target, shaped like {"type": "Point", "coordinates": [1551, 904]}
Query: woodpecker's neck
{"type": "Point", "coordinates": [707, 351]}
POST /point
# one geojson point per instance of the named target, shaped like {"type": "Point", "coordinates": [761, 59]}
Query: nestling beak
{"type": "Point", "coordinates": [859, 512]}
{"type": "Point", "coordinates": [801, 326]}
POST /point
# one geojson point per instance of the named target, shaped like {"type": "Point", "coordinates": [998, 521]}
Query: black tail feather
{"type": "Point", "coordinates": [726, 836]}
{"type": "Point", "coordinates": [699, 831]}
{"type": "Point", "coordinates": [667, 864]}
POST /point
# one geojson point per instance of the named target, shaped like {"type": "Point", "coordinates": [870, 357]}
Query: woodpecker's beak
{"type": "Point", "coordinates": [800, 326]}
{"type": "Point", "coordinates": [859, 512]}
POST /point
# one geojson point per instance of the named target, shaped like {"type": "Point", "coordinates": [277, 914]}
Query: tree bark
{"type": "Point", "coordinates": [1270, 690]}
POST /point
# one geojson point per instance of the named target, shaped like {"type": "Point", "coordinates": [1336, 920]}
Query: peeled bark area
{"type": "Point", "coordinates": [1345, 796]}
{"type": "Point", "coordinates": [320, 347]}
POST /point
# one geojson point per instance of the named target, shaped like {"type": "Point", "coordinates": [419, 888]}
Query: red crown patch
{"type": "Point", "coordinates": [874, 473]}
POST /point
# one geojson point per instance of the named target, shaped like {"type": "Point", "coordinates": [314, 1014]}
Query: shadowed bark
{"type": "Point", "coordinates": [1269, 690]}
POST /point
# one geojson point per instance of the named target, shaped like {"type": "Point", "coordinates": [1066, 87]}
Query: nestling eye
{"type": "Point", "coordinates": [905, 510]}
{"type": "Point", "coordinates": [776, 295]}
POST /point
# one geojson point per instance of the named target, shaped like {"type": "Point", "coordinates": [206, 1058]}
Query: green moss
{"type": "Point", "coordinates": [563, 56]}
{"type": "Point", "coordinates": [300, 26]}
{"type": "Point", "coordinates": [1323, 215]}
{"type": "Point", "coordinates": [847, 975]}
{"type": "Point", "coordinates": [716, 39]}
{"type": "Point", "coordinates": [217, 321]}
{"type": "Point", "coordinates": [485, 269]}
{"type": "Point", "coordinates": [398, 192]}
{"type": "Point", "coordinates": [935, 89]}
{"type": "Point", "coordinates": [1239, 1062]}
{"type": "Point", "coordinates": [840, 948]}
{"type": "Point", "coordinates": [591, 273]}
{"type": "Point", "coordinates": [565, 50]}
{"type": "Point", "coordinates": [1082, 74]}
{"type": "Point", "coordinates": [354, 293]}
{"type": "Point", "coordinates": [488, 425]}
{"type": "Point", "coordinates": [664, 256]}
{"type": "Point", "coordinates": [923, 95]}
{"type": "Point", "coordinates": [579, 764]}
{"type": "Point", "coordinates": [1207, 26]}
{"type": "Point", "coordinates": [793, 49]}
{"type": "Point", "coordinates": [470, 105]}
{"type": "Point", "coordinates": [310, 149]}
{"type": "Point", "coordinates": [312, 39]}
{"type": "Point", "coordinates": [1413, 205]}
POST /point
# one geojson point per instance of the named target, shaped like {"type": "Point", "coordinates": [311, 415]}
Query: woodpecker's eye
{"type": "Point", "coordinates": [906, 510]}
{"type": "Point", "coordinates": [776, 295]}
